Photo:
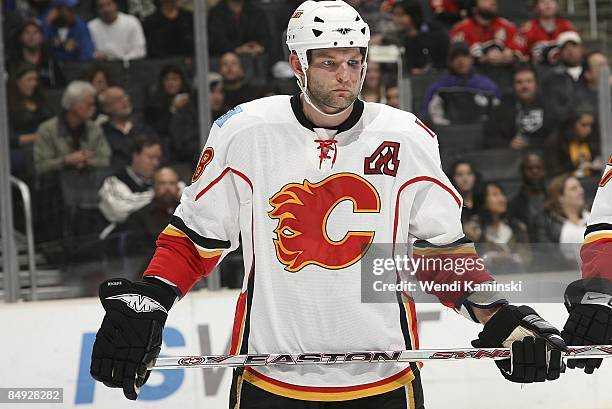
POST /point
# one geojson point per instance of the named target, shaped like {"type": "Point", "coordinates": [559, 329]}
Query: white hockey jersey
{"type": "Point", "coordinates": [308, 203]}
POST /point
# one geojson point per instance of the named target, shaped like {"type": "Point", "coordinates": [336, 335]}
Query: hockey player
{"type": "Point", "coordinates": [589, 300]}
{"type": "Point", "coordinates": [311, 182]}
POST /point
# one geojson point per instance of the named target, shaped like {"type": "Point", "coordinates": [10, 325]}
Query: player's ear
{"type": "Point", "coordinates": [294, 62]}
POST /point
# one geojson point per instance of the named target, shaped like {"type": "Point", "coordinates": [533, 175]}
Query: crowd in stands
{"type": "Point", "coordinates": [102, 101]}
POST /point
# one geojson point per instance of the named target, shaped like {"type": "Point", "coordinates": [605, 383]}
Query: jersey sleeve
{"type": "Point", "coordinates": [435, 226]}
{"type": "Point", "coordinates": [205, 226]}
{"type": "Point", "coordinates": [596, 251]}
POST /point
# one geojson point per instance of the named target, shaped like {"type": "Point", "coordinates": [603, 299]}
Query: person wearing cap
{"type": "Point", "coordinates": [541, 32]}
{"type": "Point", "coordinates": [67, 32]}
{"type": "Point", "coordinates": [462, 92]}
{"type": "Point", "coordinates": [561, 85]}
{"type": "Point", "coordinates": [425, 43]}
{"type": "Point", "coordinates": [116, 35]}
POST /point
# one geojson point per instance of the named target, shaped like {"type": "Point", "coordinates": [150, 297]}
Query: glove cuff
{"type": "Point", "coordinates": [137, 299]}
{"type": "Point", "coordinates": [593, 291]}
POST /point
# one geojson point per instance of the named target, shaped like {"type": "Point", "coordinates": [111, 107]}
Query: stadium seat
{"type": "Point", "coordinates": [460, 138]}
{"type": "Point", "coordinates": [589, 184]}
{"type": "Point", "coordinates": [511, 187]}
{"type": "Point", "coordinates": [419, 84]}
{"type": "Point", "coordinates": [145, 72]}
{"type": "Point", "coordinates": [54, 99]}
{"type": "Point", "coordinates": [496, 164]}
{"type": "Point", "coordinates": [75, 70]}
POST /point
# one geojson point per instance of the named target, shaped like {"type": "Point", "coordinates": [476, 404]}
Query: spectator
{"type": "Point", "coordinates": [238, 26]}
{"type": "Point", "coordinates": [503, 239]}
{"type": "Point", "coordinates": [492, 40]}
{"type": "Point", "coordinates": [33, 50]}
{"type": "Point", "coordinates": [392, 96]}
{"type": "Point", "coordinates": [71, 139]}
{"type": "Point", "coordinates": [540, 34]}
{"type": "Point", "coordinates": [372, 84]}
{"type": "Point", "coordinates": [577, 146]}
{"type": "Point", "coordinates": [237, 89]}
{"type": "Point", "coordinates": [560, 86]}
{"type": "Point", "coordinates": [465, 178]}
{"type": "Point", "coordinates": [121, 128]}
{"type": "Point", "coordinates": [372, 11]}
{"type": "Point", "coordinates": [425, 44]}
{"type": "Point", "coordinates": [169, 31]}
{"type": "Point", "coordinates": [522, 120]}
{"type": "Point", "coordinates": [99, 77]}
{"type": "Point", "coordinates": [527, 205]}
{"type": "Point", "coordinates": [449, 12]}
{"type": "Point", "coordinates": [462, 95]}
{"type": "Point", "coordinates": [170, 94]}
{"type": "Point", "coordinates": [216, 96]}
{"type": "Point", "coordinates": [587, 94]}
{"type": "Point", "coordinates": [564, 217]}
{"type": "Point", "coordinates": [145, 224]}
{"type": "Point", "coordinates": [184, 127]}
{"type": "Point", "coordinates": [116, 35]}
{"type": "Point", "coordinates": [67, 33]}
{"type": "Point", "coordinates": [27, 108]}
{"type": "Point", "coordinates": [131, 188]}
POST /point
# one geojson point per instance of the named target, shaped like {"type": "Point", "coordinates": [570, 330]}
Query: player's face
{"type": "Point", "coordinates": [334, 76]}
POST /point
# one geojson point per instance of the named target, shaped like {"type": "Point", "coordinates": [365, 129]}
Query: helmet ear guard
{"type": "Point", "coordinates": [325, 24]}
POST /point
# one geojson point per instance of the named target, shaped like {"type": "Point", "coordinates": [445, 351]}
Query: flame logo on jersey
{"type": "Point", "coordinates": [302, 211]}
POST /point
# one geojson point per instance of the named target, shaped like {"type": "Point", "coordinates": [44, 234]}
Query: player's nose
{"type": "Point", "coordinates": [343, 74]}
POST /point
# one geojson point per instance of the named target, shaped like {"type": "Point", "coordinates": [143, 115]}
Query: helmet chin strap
{"type": "Point", "coordinates": [304, 89]}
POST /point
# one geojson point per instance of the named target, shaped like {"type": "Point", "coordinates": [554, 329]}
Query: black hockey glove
{"type": "Point", "coordinates": [129, 339]}
{"type": "Point", "coordinates": [536, 344]}
{"type": "Point", "coordinates": [589, 303]}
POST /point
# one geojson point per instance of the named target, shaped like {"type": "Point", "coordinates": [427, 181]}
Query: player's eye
{"type": "Point", "coordinates": [354, 62]}
{"type": "Point", "coordinates": [328, 63]}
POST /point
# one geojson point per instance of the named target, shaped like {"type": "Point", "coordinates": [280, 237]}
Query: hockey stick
{"type": "Point", "coordinates": [373, 357]}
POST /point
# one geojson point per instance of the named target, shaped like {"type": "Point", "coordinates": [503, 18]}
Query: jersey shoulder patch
{"type": "Point", "coordinates": [223, 118]}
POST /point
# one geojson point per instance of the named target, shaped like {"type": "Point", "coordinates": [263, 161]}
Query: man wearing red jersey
{"type": "Point", "coordinates": [540, 34]}
{"type": "Point", "coordinates": [493, 40]}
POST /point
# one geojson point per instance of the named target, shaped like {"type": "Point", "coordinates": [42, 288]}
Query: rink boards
{"type": "Point", "coordinates": [48, 344]}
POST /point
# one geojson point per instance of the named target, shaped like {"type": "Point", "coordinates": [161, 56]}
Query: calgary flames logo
{"type": "Point", "coordinates": [302, 211]}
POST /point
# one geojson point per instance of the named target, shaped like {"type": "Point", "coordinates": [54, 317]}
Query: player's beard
{"type": "Point", "coordinates": [327, 100]}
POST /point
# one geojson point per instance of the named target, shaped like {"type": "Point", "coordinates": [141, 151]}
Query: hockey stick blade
{"type": "Point", "coordinates": [372, 357]}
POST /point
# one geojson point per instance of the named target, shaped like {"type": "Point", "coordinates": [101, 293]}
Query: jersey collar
{"type": "Point", "coordinates": [298, 111]}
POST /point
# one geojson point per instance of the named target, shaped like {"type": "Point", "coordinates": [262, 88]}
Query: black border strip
{"type": "Point", "coordinates": [196, 238]}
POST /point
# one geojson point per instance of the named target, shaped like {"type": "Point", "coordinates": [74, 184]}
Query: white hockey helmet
{"type": "Point", "coordinates": [326, 24]}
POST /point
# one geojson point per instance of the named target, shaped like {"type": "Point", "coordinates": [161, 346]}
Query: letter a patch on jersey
{"type": "Point", "coordinates": [384, 160]}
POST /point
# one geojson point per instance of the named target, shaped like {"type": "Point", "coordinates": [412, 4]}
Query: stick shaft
{"type": "Point", "coordinates": [371, 357]}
